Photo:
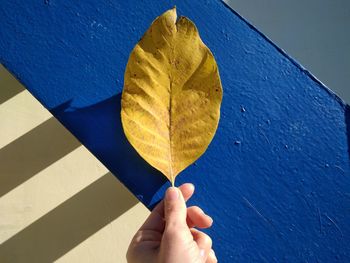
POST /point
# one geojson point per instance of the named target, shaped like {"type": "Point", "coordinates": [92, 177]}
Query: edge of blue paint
{"type": "Point", "coordinates": [293, 60]}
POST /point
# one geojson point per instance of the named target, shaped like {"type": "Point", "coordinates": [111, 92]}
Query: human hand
{"type": "Point", "coordinates": [168, 234]}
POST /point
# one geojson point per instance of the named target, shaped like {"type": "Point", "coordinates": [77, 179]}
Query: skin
{"type": "Point", "coordinates": [169, 235]}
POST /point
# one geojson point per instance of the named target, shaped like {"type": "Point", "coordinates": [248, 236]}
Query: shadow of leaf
{"type": "Point", "coordinates": [99, 128]}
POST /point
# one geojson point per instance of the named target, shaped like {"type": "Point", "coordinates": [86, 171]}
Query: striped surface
{"type": "Point", "coordinates": [57, 201]}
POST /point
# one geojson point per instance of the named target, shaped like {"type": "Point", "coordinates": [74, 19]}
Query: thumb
{"type": "Point", "coordinates": [175, 210]}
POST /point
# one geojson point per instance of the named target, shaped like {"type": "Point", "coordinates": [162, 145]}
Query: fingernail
{"type": "Point", "coordinates": [202, 252]}
{"type": "Point", "coordinates": [172, 194]}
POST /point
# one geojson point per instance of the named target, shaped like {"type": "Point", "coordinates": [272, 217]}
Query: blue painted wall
{"type": "Point", "coordinates": [276, 177]}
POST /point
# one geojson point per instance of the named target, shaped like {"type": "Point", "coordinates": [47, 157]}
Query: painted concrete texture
{"type": "Point", "coordinates": [276, 176]}
{"type": "Point", "coordinates": [315, 32]}
{"type": "Point", "coordinates": [57, 201]}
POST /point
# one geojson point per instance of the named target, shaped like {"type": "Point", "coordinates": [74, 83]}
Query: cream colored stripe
{"type": "Point", "coordinates": [19, 115]}
{"type": "Point", "coordinates": [46, 190]}
{"type": "Point", "coordinates": [111, 242]}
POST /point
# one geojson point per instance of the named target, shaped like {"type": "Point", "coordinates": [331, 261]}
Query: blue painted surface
{"type": "Point", "coordinates": [276, 177]}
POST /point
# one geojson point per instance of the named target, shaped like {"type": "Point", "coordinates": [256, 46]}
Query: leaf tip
{"type": "Point", "coordinates": [171, 13]}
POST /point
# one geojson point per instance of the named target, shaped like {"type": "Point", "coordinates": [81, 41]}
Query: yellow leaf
{"type": "Point", "coordinates": [172, 95]}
